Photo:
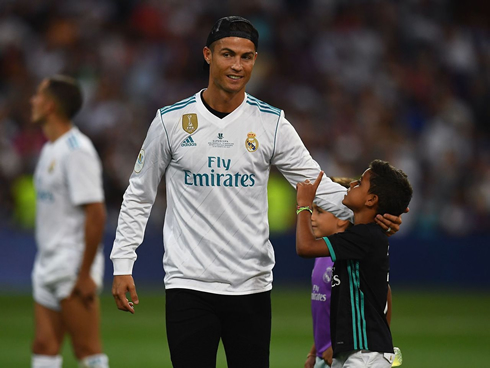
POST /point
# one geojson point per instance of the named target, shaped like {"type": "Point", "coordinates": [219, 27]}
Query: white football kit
{"type": "Point", "coordinates": [216, 232]}
{"type": "Point", "coordinates": [68, 175]}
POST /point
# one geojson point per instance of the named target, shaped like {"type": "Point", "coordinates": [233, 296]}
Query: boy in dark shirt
{"type": "Point", "coordinates": [361, 335]}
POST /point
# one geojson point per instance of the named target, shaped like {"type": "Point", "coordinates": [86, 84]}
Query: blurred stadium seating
{"type": "Point", "coordinates": [403, 81]}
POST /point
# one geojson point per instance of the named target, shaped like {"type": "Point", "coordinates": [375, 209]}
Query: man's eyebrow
{"type": "Point", "coordinates": [226, 49]}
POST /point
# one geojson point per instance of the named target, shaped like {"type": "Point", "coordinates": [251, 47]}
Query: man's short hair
{"type": "Point", "coordinates": [67, 93]}
{"type": "Point", "coordinates": [392, 187]}
{"type": "Point", "coordinates": [233, 26]}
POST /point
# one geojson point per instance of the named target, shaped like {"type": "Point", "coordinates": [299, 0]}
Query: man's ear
{"type": "Point", "coordinates": [50, 106]}
{"type": "Point", "coordinates": [371, 200]}
{"type": "Point", "coordinates": [207, 53]}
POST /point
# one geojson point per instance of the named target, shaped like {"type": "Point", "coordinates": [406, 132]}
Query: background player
{"type": "Point", "coordinates": [70, 219]}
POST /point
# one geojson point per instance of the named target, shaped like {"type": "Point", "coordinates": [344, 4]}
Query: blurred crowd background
{"type": "Point", "coordinates": [404, 81]}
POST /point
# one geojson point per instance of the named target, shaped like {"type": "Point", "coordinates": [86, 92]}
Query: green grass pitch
{"type": "Point", "coordinates": [437, 329]}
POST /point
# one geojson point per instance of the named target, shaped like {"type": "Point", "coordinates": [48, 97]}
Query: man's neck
{"type": "Point", "coordinates": [222, 101]}
{"type": "Point", "coordinates": [219, 114]}
{"type": "Point", "coordinates": [55, 128]}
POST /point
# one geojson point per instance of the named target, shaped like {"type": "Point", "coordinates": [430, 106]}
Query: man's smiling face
{"type": "Point", "coordinates": [231, 61]}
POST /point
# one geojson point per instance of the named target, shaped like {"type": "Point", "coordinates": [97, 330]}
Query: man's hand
{"type": "Point", "coordinates": [390, 223]}
{"type": "Point", "coordinates": [85, 289]}
{"type": "Point", "coordinates": [121, 285]}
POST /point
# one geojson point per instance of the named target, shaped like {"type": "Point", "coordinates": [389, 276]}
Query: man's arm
{"type": "Point", "coordinates": [95, 217]}
{"type": "Point", "coordinates": [138, 200]}
{"type": "Point", "coordinates": [296, 164]}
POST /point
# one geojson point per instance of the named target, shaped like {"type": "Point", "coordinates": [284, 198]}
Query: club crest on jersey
{"type": "Point", "coordinates": [189, 123]}
{"type": "Point", "coordinates": [327, 276]}
{"type": "Point", "coordinates": [140, 161]}
{"type": "Point", "coordinates": [51, 166]}
{"type": "Point", "coordinates": [251, 143]}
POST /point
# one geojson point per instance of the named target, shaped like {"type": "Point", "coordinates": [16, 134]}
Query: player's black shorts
{"type": "Point", "coordinates": [196, 321]}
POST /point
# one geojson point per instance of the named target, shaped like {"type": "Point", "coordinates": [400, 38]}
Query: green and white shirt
{"type": "Point", "coordinates": [359, 290]}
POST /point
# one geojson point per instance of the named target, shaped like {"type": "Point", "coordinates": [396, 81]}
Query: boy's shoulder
{"type": "Point", "coordinates": [370, 233]}
{"type": "Point", "coordinates": [371, 227]}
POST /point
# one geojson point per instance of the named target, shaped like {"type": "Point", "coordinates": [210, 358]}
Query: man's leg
{"type": "Point", "coordinates": [246, 331]}
{"type": "Point", "coordinates": [193, 328]}
{"type": "Point", "coordinates": [83, 325]}
{"type": "Point", "coordinates": [48, 337]}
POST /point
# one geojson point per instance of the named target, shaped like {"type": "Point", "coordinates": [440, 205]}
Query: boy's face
{"type": "Point", "coordinates": [323, 223]}
{"type": "Point", "coordinates": [358, 192]}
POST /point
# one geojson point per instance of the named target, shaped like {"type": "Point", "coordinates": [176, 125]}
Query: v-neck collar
{"type": "Point", "coordinates": [208, 115]}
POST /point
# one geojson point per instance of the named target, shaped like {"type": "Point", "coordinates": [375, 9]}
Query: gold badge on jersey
{"type": "Point", "coordinates": [51, 166]}
{"type": "Point", "coordinates": [251, 143]}
{"type": "Point", "coordinates": [189, 123]}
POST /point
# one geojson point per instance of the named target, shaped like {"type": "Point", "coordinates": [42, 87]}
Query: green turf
{"type": "Point", "coordinates": [432, 329]}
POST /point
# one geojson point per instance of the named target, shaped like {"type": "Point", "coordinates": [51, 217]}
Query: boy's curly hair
{"type": "Point", "coordinates": [392, 187]}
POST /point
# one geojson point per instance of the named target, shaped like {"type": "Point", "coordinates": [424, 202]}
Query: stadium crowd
{"type": "Point", "coordinates": [413, 75]}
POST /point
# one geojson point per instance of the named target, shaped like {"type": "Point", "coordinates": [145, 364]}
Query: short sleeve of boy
{"type": "Point", "coordinates": [354, 243]}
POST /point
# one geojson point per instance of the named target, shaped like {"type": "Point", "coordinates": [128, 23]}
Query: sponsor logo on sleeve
{"type": "Point", "coordinates": [140, 161]}
{"type": "Point", "coordinates": [51, 166]}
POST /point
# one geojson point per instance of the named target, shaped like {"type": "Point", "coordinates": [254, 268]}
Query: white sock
{"type": "Point", "coordinates": [94, 361]}
{"type": "Point", "coordinates": [46, 361]}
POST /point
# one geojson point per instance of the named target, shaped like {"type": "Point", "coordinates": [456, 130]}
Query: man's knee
{"type": "Point", "coordinates": [44, 346]}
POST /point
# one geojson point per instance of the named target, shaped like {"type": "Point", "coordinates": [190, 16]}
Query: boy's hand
{"type": "Point", "coordinates": [306, 191]}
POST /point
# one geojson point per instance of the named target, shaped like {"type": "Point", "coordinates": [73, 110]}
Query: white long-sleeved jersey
{"type": "Point", "coordinates": [216, 232]}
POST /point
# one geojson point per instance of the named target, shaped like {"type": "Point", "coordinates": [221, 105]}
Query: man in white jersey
{"type": "Point", "coordinates": [70, 219]}
{"type": "Point", "coordinates": [215, 150]}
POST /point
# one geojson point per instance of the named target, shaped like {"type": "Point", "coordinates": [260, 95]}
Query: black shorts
{"type": "Point", "coordinates": [196, 321]}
